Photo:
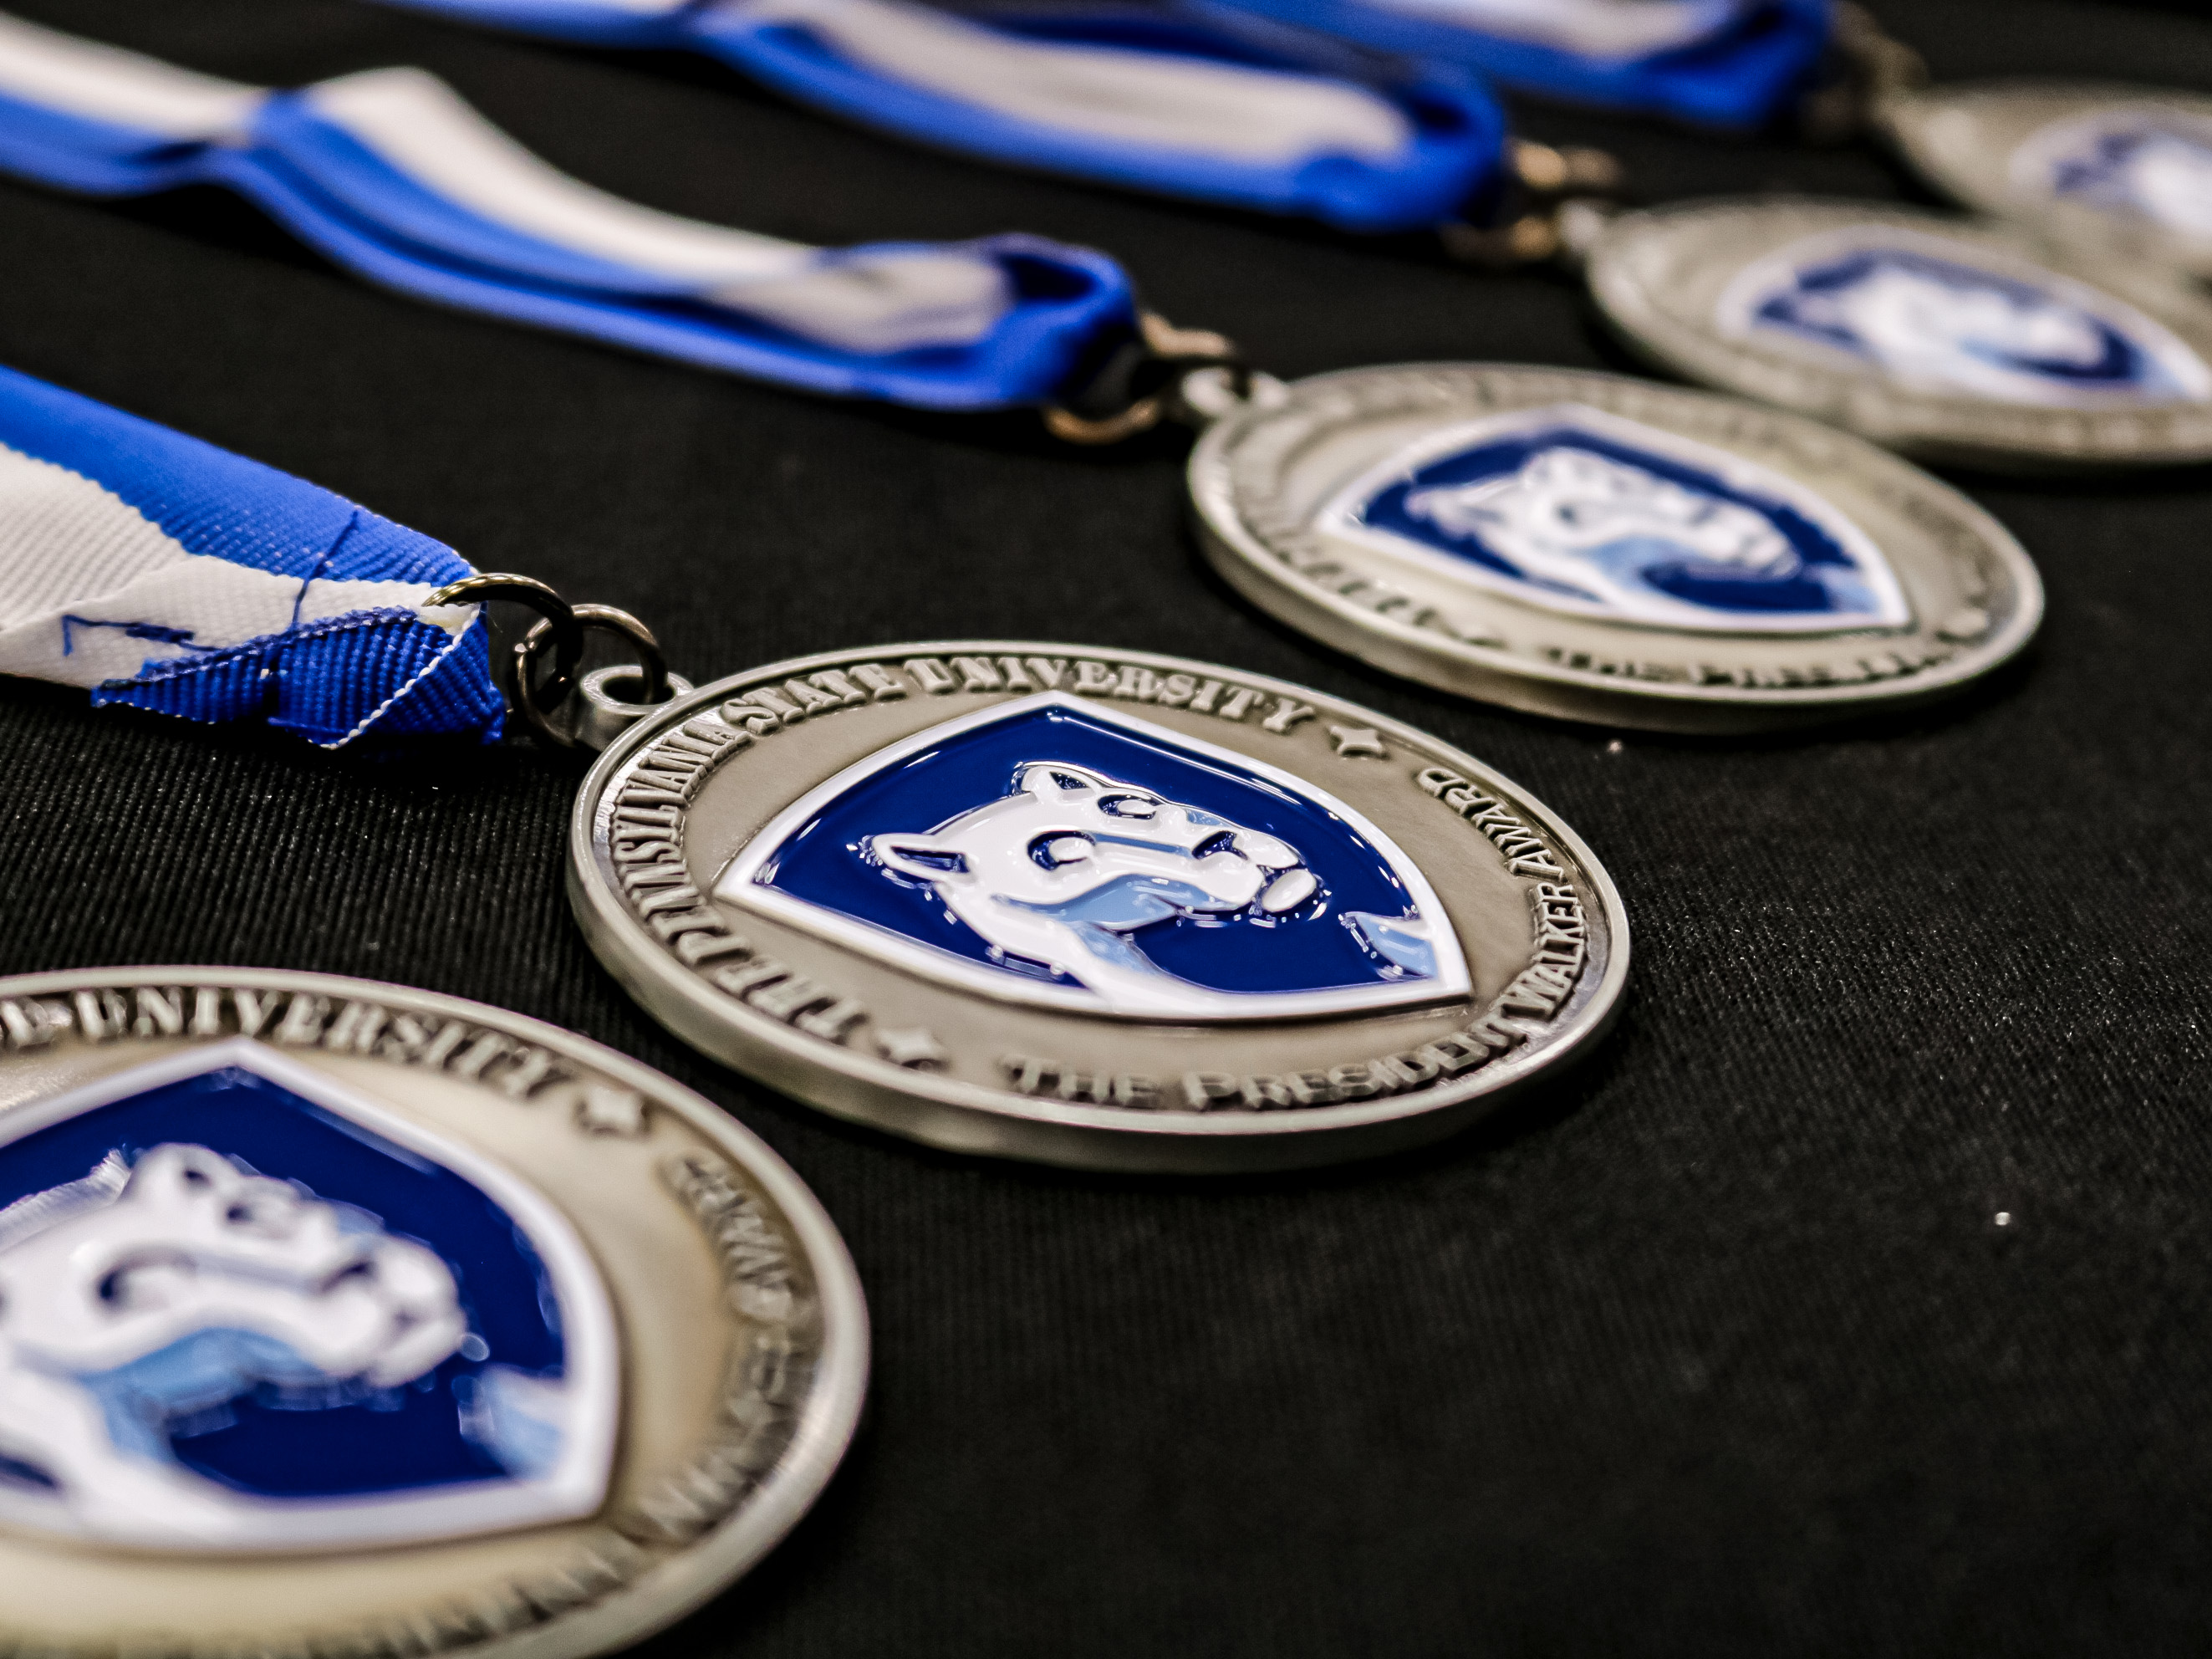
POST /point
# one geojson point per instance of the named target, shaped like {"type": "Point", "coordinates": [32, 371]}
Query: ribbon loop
{"type": "Point", "coordinates": [1201, 103]}
{"type": "Point", "coordinates": [1731, 63]}
{"type": "Point", "coordinates": [389, 173]}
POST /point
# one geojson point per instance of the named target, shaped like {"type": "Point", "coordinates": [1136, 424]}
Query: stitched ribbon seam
{"type": "Point", "coordinates": [168, 574]}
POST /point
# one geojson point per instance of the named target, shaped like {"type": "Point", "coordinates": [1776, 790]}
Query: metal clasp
{"type": "Point", "coordinates": [1871, 69]}
{"type": "Point", "coordinates": [1142, 386]}
{"type": "Point", "coordinates": [573, 714]}
{"type": "Point", "coordinates": [1547, 185]}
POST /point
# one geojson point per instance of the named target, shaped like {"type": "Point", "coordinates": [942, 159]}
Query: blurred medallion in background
{"type": "Point", "coordinates": [2122, 172]}
{"type": "Point", "coordinates": [1952, 341]}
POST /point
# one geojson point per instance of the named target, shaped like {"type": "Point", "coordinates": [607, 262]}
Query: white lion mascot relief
{"type": "Point", "coordinates": [1062, 870]}
{"type": "Point", "coordinates": [1571, 519]}
{"type": "Point", "coordinates": [146, 1293]}
{"type": "Point", "coordinates": [2163, 173]}
{"type": "Point", "coordinates": [1924, 327]}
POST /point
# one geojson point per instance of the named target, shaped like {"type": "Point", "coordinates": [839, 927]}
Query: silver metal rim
{"type": "Point", "coordinates": [1499, 676]}
{"type": "Point", "coordinates": [964, 1117]}
{"type": "Point", "coordinates": [833, 1411]}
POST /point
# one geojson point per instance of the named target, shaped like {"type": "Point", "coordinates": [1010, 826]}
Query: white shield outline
{"type": "Point", "coordinates": [737, 885]}
{"type": "Point", "coordinates": [1342, 517]}
{"type": "Point", "coordinates": [590, 1358]}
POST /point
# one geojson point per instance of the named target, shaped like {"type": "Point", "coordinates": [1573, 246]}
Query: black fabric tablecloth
{"type": "Point", "coordinates": [1717, 1346]}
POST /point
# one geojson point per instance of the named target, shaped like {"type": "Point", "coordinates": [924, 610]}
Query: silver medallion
{"type": "Point", "coordinates": [1945, 339]}
{"type": "Point", "coordinates": [2124, 173]}
{"type": "Point", "coordinates": [1093, 908]}
{"type": "Point", "coordinates": [1604, 548]}
{"type": "Point", "coordinates": [336, 1318]}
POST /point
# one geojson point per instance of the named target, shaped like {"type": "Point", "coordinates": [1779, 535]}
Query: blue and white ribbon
{"type": "Point", "coordinates": [389, 173]}
{"type": "Point", "coordinates": [165, 574]}
{"type": "Point", "coordinates": [1161, 100]}
{"type": "Point", "coordinates": [1714, 63]}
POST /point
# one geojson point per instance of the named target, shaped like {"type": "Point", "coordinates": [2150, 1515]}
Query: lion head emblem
{"type": "Point", "coordinates": [1933, 322]}
{"type": "Point", "coordinates": [1921, 323]}
{"type": "Point", "coordinates": [146, 1294]}
{"type": "Point", "coordinates": [2153, 163]}
{"type": "Point", "coordinates": [1574, 519]}
{"type": "Point", "coordinates": [1067, 870]}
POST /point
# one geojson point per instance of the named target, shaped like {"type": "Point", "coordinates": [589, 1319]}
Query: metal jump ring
{"type": "Point", "coordinates": [561, 619]}
{"type": "Point", "coordinates": [1165, 344]}
{"type": "Point", "coordinates": [650, 663]}
{"type": "Point", "coordinates": [1142, 416]}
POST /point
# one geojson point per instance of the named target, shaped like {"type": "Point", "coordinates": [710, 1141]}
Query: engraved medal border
{"type": "Point", "coordinates": [796, 1043]}
{"type": "Point", "coordinates": [1489, 646]}
{"type": "Point", "coordinates": [1656, 274]}
{"type": "Point", "coordinates": [708, 1529]}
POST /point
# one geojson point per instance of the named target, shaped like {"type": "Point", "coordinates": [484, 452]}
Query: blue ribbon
{"type": "Point", "coordinates": [391, 175]}
{"type": "Point", "coordinates": [1336, 142]}
{"type": "Point", "coordinates": [165, 573]}
{"type": "Point", "coordinates": [1742, 72]}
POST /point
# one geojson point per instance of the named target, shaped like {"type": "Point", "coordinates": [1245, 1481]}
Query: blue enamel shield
{"type": "Point", "coordinates": [1581, 511]}
{"type": "Point", "coordinates": [244, 1309]}
{"type": "Point", "coordinates": [2148, 163]}
{"type": "Point", "coordinates": [1935, 315]}
{"type": "Point", "coordinates": [1054, 851]}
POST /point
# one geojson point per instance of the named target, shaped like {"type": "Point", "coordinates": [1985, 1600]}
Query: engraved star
{"type": "Point", "coordinates": [605, 1111]}
{"type": "Point", "coordinates": [915, 1047]}
{"type": "Point", "coordinates": [1359, 740]}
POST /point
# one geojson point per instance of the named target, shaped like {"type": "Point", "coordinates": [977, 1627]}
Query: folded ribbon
{"type": "Point", "coordinates": [389, 173]}
{"type": "Point", "coordinates": [1164, 100]}
{"type": "Point", "coordinates": [1714, 63]}
{"type": "Point", "coordinates": [165, 574]}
